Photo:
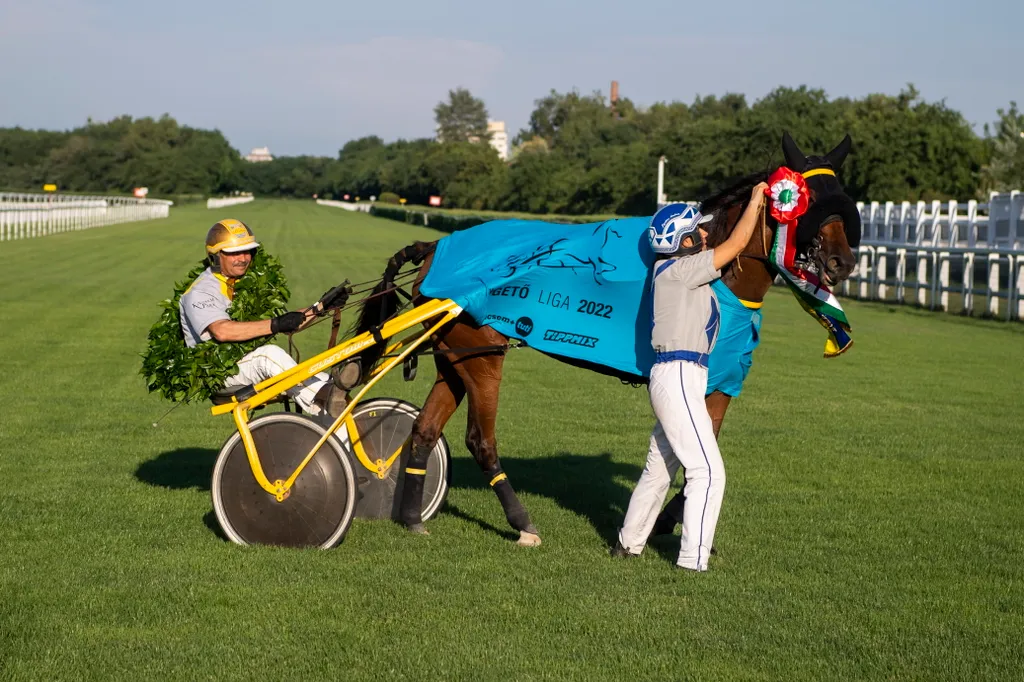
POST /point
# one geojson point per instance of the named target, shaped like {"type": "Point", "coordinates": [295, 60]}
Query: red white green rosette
{"type": "Point", "coordinates": [789, 195]}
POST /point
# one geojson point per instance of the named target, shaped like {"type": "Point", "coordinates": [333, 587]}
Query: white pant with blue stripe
{"type": "Point", "coordinates": [683, 436]}
{"type": "Point", "coordinates": [269, 361]}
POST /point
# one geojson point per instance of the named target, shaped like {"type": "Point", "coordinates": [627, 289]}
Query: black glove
{"type": "Point", "coordinates": [333, 298]}
{"type": "Point", "coordinates": [287, 323]}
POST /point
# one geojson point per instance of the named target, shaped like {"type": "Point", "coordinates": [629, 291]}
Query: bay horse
{"type": "Point", "coordinates": [469, 356]}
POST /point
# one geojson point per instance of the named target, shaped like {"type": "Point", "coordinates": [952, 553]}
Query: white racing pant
{"type": "Point", "coordinates": [683, 436]}
{"type": "Point", "coordinates": [268, 361]}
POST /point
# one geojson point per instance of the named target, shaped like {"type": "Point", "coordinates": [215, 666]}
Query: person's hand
{"type": "Point", "coordinates": [335, 297]}
{"type": "Point", "coordinates": [288, 322]}
{"type": "Point", "coordinates": [757, 195]}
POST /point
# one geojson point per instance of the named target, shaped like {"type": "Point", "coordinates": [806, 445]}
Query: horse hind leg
{"type": "Point", "coordinates": [442, 402]}
{"type": "Point", "coordinates": [482, 376]}
{"type": "Point", "coordinates": [483, 446]}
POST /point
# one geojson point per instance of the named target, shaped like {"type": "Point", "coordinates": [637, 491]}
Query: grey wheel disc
{"type": "Point", "coordinates": [385, 425]}
{"type": "Point", "coordinates": [319, 509]}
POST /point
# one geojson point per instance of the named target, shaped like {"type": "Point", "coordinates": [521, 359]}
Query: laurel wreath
{"type": "Point", "coordinates": [183, 374]}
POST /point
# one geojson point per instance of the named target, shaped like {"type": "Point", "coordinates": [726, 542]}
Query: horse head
{"type": "Point", "coordinates": [830, 229]}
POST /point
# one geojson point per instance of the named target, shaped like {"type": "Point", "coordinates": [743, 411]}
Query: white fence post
{"type": "Point", "coordinates": [922, 278]}
{"type": "Point", "coordinates": [881, 272]}
{"type": "Point", "coordinates": [1019, 288]}
{"type": "Point", "coordinates": [993, 284]}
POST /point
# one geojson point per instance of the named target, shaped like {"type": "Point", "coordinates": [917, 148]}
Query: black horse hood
{"type": "Point", "coordinates": [827, 196]}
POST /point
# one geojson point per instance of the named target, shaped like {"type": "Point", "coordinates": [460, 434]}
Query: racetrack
{"type": "Point", "coordinates": [872, 527]}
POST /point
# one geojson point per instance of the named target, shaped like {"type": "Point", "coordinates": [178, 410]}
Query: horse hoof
{"type": "Point", "coordinates": [417, 528]}
{"type": "Point", "coordinates": [528, 539]}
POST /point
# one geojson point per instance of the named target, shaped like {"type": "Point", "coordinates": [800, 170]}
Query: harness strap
{"type": "Point", "coordinates": [335, 326]}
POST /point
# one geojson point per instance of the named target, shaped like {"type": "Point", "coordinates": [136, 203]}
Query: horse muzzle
{"type": "Point", "coordinates": [835, 269]}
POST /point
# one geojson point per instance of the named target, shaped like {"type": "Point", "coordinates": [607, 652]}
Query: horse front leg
{"type": "Point", "coordinates": [672, 515]}
{"type": "Point", "coordinates": [442, 402]}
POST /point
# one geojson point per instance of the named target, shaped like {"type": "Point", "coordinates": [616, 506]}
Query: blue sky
{"type": "Point", "coordinates": [305, 77]}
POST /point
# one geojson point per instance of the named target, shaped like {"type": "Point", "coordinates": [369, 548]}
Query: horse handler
{"type": "Point", "coordinates": [685, 327]}
{"type": "Point", "coordinates": [203, 308]}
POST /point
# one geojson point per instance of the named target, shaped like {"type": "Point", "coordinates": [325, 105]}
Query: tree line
{"type": "Point", "coordinates": [578, 154]}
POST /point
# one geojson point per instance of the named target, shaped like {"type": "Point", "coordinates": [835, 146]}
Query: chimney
{"type": "Point", "coordinates": [614, 98]}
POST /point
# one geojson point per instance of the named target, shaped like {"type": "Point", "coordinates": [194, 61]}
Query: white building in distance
{"type": "Point", "coordinates": [499, 138]}
{"type": "Point", "coordinates": [259, 154]}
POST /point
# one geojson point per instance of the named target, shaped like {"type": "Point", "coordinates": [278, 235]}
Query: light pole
{"type": "Point", "coordinates": [662, 199]}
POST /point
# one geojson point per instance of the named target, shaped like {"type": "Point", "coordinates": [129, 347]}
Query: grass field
{"type": "Point", "coordinates": [873, 523]}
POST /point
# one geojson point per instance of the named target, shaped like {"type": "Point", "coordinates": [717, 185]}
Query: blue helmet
{"type": "Point", "coordinates": [671, 225]}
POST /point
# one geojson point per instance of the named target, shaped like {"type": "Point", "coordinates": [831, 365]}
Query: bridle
{"type": "Point", "coordinates": [765, 231]}
{"type": "Point", "coordinates": [811, 254]}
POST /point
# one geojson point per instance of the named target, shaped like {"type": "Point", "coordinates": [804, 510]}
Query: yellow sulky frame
{"type": "Point", "coordinates": [275, 386]}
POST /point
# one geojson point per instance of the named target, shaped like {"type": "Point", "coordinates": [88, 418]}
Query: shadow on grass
{"type": "Point", "coordinates": [506, 533]}
{"type": "Point", "coordinates": [186, 468]}
{"type": "Point", "coordinates": [210, 521]}
{"type": "Point", "coordinates": [592, 486]}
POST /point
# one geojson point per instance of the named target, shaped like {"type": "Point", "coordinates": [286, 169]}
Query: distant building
{"type": "Point", "coordinates": [499, 138]}
{"type": "Point", "coordinates": [259, 154]}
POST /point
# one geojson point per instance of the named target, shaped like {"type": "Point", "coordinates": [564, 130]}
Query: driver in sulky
{"type": "Point", "coordinates": [203, 308]}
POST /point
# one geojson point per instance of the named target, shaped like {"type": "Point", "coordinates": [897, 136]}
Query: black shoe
{"type": "Point", "coordinates": [331, 400]}
{"type": "Point", "coordinates": [665, 525]}
{"type": "Point", "coordinates": [620, 552]}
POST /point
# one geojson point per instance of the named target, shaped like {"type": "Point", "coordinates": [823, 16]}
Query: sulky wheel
{"type": "Point", "coordinates": [319, 508]}
{"type": "Point", "coordinates": [384, 426]}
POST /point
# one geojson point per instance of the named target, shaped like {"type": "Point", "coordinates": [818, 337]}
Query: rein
{"type": "Point", "coordinates": [335, 315]}
{"type": "Point", "coordinates": [764, 242]}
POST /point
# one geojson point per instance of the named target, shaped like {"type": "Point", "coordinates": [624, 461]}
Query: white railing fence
{"type": "Point", "coordinates": [963, 257]}
{"type": "Point", "coordinates": [972, 281]}
{"type": "Point", "coordinates": [999, 222]}
{"type": "Point", "coordinates": [227, 201]}
{"type": "Point", "coordinates": [348, 206]}
{"type": "Point", "coordinates": [25, 215]}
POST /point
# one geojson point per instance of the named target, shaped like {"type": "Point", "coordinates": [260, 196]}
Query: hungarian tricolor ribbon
{"type": "Point", "coordinates": [789, 198]}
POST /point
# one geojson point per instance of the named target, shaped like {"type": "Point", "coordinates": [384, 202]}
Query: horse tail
{"type": "Point", "coordinates": [382, 302]}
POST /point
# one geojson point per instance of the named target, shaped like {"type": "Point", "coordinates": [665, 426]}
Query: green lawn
{"type": "Point", "coordinates": [873, 524]}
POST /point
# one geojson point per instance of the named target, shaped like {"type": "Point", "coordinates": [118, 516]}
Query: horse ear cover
{"type": "Point", "coordinates": [838, 155]}
{"type": "Point", "coordinates": [795, 159]}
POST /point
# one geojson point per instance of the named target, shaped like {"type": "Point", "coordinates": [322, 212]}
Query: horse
{"type": "Point", "coordinates": [469, 356]}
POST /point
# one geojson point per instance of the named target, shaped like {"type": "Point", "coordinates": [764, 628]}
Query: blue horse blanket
{"type": "Point", "coordinates": [580, 293]}
{"type": "Point", "coordinates": [739, 332]}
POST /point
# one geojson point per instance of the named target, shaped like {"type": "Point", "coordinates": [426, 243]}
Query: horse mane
{"type": "Point", "coordinates": [718, 228]}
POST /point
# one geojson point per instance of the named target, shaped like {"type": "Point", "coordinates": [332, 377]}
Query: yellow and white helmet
{"type": "Point", "coordinates": [230, 236]}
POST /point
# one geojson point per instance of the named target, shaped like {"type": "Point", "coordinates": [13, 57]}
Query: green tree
{"type": "Point", "coordinates": [467, 175]}
{"type": "Point", "coordinates": [463, 118]}
{"type": "Point", "coordinates": [542, 182]}
{"type": "Point", "coordinates": [1005, 170]}
{"type": "Point", "coordinates": [906, 149]}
